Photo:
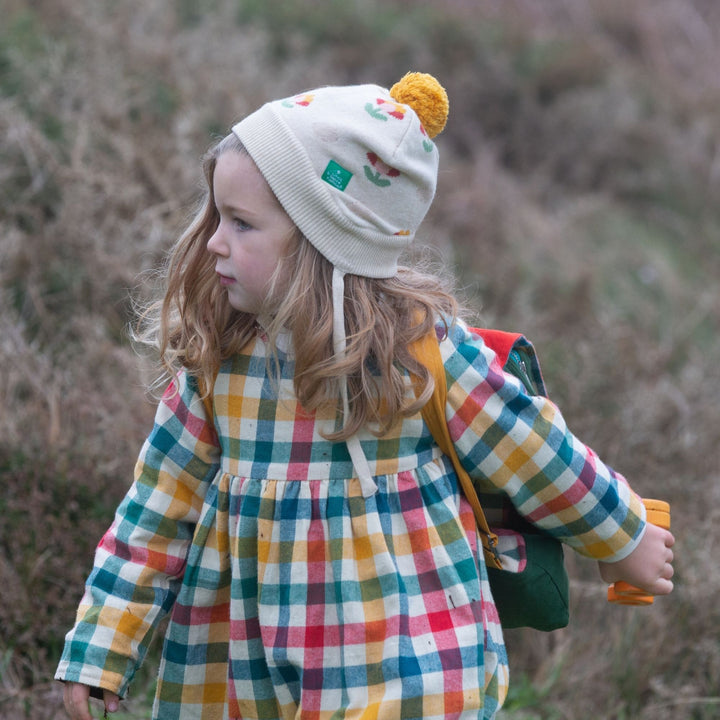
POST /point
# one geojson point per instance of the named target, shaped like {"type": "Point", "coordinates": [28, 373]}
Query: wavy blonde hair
{"type": "Point", "coordinates": [194, 327]}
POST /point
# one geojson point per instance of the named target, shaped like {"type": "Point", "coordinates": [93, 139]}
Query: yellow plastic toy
{"type": "Point", "coordinates": [622, 593]}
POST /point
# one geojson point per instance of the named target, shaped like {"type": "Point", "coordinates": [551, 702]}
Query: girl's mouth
{"type": "Point", "coordinates": [225, 280]}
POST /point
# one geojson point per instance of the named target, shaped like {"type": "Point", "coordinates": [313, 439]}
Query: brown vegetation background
{"type": "Point", "coordinates": [579, 200]}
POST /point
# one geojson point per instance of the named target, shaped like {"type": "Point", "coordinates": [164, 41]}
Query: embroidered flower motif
{"type": "Point", "coordinates": [428, 144]}
{"type": "Point", "coordinates": [386, 108]}
{"type": "Point", "coordinates": [380, 171]}
{"type": "Point", "coordinates": [302, 100]}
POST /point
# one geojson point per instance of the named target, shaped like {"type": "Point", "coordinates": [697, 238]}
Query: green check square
{"type": "Point", "coordinates": [336, 175]}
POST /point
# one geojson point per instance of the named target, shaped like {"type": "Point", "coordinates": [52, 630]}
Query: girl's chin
{"type": "Point", "coordinates": [243, 307]}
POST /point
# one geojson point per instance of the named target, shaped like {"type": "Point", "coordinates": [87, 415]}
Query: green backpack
{"type": "Point", "coordinates": [538, 596]}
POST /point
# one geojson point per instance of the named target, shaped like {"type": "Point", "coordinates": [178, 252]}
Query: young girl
{"type": "Point", "coordinates": [291, 511]}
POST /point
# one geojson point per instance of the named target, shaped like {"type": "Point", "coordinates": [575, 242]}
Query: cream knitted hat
{"type": "Point", "coordinates": [355, 168]}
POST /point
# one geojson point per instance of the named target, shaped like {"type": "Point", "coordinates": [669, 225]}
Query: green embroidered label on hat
{"type": "Point", "coordinates": [336, 175]}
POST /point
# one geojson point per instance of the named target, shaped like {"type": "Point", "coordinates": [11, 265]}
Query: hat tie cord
{"type": "Point", "coordinates": [357, 455]}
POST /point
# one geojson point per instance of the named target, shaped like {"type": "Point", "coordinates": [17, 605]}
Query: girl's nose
{"type": "Point", "coordinates": [216, 243]}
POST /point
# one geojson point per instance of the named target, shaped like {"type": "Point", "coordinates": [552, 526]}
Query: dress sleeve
{"type": "Point", "coordinates": [140, 561]}
{"type": "Point", "coordinates": [520, 444]}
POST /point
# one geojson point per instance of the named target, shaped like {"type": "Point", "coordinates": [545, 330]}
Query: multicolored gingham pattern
{"type": "Point", "coordinates": [290, 594]}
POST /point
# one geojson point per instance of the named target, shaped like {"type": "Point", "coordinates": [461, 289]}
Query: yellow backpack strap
{"type": "Point", "coordinates": [207, 399]}
{"type": "Point", "coordinates": [427, 351]}
{"type": "Point", "coordinates": [208, 403]}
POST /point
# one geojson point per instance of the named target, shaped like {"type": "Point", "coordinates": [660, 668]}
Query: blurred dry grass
{"type": "Point", "coordinates": [578, 200]}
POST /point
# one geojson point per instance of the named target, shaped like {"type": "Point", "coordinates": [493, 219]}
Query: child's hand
{"type": "Point", "coordinates": [76, 698]}
{"type": "Point", "coordinates": [648, 566]}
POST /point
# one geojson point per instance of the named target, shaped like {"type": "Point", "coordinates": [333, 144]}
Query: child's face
{"type": "Point", "coordinates": [253, 233]}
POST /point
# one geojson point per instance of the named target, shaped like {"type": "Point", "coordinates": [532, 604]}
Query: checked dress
{"type": "Point", "coordinates": [290, 594]}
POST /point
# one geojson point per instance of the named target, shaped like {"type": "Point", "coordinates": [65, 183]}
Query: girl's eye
{"type": "Point", "coordinates": [241, 225]}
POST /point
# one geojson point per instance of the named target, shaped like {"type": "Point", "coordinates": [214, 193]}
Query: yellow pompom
{"type": "Point", "coordinates": [427, 97]}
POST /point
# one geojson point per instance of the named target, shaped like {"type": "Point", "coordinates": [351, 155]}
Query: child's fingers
{"type": "Point", "coordinates": [669, 539]}
{"type": "Point", "coordinates": [111, 701]}
{"type": "Point", "coordinates": [664, 582]}
{"type": "Point", "coordinates": [663, 586]}
{"type": "Point", "coordinates": [75, 698]}
{"type": "Point", "coordinates": [668, 570]}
